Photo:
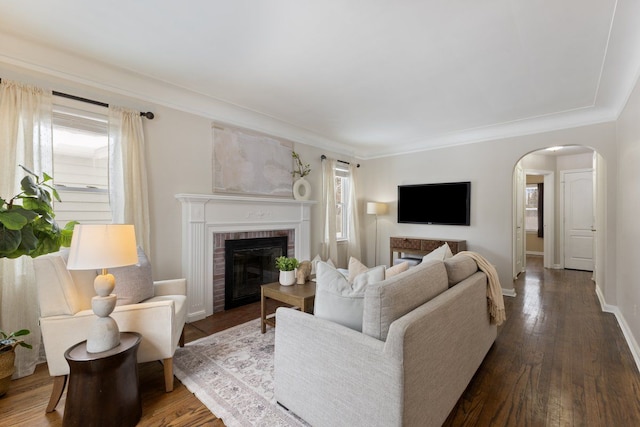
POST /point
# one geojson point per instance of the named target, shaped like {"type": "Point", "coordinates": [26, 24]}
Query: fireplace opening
{"type": "Point", "coordinates": [250, 263]}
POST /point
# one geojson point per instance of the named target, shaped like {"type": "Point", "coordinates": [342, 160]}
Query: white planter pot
{"type": "Point", "coordinates": [301, 189]}
{"type": "Point", "coordinates": [287, 278]}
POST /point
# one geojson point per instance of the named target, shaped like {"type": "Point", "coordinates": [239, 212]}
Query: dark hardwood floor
{"type": "Point", "coordinates": [558, 361]}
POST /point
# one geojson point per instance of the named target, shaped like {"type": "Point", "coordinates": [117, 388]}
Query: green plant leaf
{"type": "Point", "coordinates": [21, 332]}
{"type": "Point", "coordinates": [53, 191]}
{"type": "Point", "coordinates": [36, 204]}
{"type": "Point", "coordinates": [29, 240]}
{"type": "Point", "coordinates": [284, 263]}
{"type": "Point", "coordinates": [13, 219]}
{"type": "Point", "coordinates": [28, 171]}
{"type": "Point", "coordinates": [9, 240]}
{"type": "Point", "coordinates": [46, 245]}
{"type": "Point", "coordinates": [67, 233]}
{"type": "Point", "coordinates": [29, 186]}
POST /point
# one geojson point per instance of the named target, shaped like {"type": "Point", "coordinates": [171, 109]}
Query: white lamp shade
{"type": "Point", "coordinates": [97, 246]}
{"type": "Point", "coordinates": [375, 208]}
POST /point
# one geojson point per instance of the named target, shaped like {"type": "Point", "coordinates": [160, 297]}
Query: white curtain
{"type": "Point", "coordinates": [353, 247]}
{"type": "Point", "coordinates": [25, 139]}
{"type": "Point", "coordinates": [329, 246]}
{"type": "Point", "coordinates": [128, 173]}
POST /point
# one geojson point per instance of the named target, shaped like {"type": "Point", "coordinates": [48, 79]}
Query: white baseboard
{"type": "Point", "coordinates": [628, 336]}
{"type": "Point", "coordinates": [509, 292]}
{"type": "Point", "coordinates": [535, 253]}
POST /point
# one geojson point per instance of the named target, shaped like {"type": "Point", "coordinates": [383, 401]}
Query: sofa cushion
{"type": "Point", "coordinates": [386, 301]}
{"type": "Point", "coordinates": [340, 301]}
{"type": "Point", "coordinates": [459, 267]}
{"type": "Point", "coordinates": [134, 283]}
{"type": "Point", "coordinates": [316, 260]}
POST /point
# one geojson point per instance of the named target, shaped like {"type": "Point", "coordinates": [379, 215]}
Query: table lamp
{"type": "Point", "coordinates": [103, 246]}
{"type": "Point", "coordinates": [376, 208]}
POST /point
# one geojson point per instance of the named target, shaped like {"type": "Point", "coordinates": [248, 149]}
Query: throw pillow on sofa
{"type": "Point", "coordinates": [316, 260]}
{"type": "Point", "coordinates": [441, 253]}
{"type": "Point", "coordinates": [338, 300]}
{"type": "Point", "coordinates": [396, 269]}
{"type": "Point", "coordinates": [356, 267]}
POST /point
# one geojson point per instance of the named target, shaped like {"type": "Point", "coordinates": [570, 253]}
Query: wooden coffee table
{"type": "Point", "coordinates": [300, 296]}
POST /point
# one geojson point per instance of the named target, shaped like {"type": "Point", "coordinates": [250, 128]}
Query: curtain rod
{"type": "Point", "coordinates": [323, 157]}
{"type": "Point", "coordinates": [148, 114]}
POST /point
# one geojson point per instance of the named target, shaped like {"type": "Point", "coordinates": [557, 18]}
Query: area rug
{"type": "Point", "coordinates": [231, 372]}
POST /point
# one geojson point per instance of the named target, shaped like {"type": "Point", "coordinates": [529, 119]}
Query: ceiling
{"type": "Point", "coordinates": [370, 78]}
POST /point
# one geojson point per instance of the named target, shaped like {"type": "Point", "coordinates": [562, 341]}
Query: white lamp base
{"type": "Point", "coordinates": [104, 333]}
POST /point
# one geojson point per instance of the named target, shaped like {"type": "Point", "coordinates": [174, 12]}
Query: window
{"type": "Point", "coordinates": [531, 208]}
{"type": "Point", "coordinates": [342, 202]}
{"type": "Point", "coordinates": [81, 162]}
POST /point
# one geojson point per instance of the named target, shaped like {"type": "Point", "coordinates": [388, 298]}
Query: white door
{"type": "Point", "coordinates": [578, 220]}
{"type": "Point", "coordinates": [518, 220]}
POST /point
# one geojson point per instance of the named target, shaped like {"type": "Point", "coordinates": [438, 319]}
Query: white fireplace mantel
{"type": "Point", "coordinates": [204, 215]}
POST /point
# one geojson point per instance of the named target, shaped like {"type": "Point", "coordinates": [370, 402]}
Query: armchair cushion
{"type": "Point", "coordinates": [133, 282]}
{"type": "Point", "coordinates": [58, 296]}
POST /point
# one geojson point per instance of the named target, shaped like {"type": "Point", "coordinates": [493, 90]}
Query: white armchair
{"type": "Point", "coordinates": [66, 316]}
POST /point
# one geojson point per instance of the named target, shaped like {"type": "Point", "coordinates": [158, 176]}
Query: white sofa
{"type": "Point", "coordinates": [414, 358]}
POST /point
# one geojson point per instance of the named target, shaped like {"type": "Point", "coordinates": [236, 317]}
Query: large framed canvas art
{"type": "Point", "coordinates": [250, 163]}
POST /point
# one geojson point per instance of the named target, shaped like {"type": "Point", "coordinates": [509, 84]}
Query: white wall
{"type": "Point", "coordinates": [489, 166]}
{"type": "Point", "coordinates": [628, 207]}
{"type": "Point", "coordinates": [179, 150]}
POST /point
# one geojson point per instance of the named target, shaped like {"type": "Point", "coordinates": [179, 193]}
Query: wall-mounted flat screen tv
{"type": "Point", "coordinates": [444, 203]}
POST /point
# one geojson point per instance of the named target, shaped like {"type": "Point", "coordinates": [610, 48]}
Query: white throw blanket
{"type": "Point", "coordinates": [494, 290]}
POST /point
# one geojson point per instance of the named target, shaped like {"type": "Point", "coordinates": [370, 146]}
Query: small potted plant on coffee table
{"type": "Point", "coordinates": [287, 267]}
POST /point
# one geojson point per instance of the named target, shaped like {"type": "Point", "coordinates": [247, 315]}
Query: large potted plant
{"type": "Point", "coordinates": [8, 344]}
{"type": "Point", "coordinates": [27, 227]}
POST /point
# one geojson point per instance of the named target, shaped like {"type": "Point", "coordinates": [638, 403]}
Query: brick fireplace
{"type": "Point", "coordinates": [222, 283]}
{"type": "Point", "coordinates": [208, 220]}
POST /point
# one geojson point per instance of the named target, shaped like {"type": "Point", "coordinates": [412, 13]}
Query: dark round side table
{"type": "Point", "coordinates": [103, 387]}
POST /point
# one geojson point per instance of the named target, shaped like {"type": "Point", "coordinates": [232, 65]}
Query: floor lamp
{"type": "Point", "coordinates": [375, 208]}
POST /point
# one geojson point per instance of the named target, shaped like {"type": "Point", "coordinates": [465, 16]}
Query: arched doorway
{"type": "Point", "coordinates": [539, 176]}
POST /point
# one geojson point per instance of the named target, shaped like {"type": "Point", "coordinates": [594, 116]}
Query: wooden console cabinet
{"type": "Point", "coordinates": [421, 247]}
